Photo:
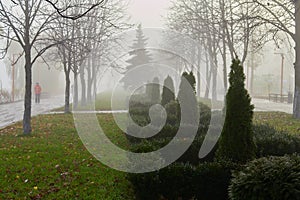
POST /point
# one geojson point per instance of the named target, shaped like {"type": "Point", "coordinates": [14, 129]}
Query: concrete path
{"type": "Point", "coordinates": [92, 112]}
{"type": "Point", "coordinates": [13, 112]}
{"type": "Point", "coordinates": [266, 105]}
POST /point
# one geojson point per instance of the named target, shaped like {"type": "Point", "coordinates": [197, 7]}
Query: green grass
{"type": "Point", "coordinates": [104, 102]}
{"type": "Point", "coordinates": [208, 102]}
{"type": "Point", "coordinates": [52, 163]}
{"type": "Point", "coordinates": [280, 121]}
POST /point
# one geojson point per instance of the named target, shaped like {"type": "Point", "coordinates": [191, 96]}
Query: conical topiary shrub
{"type": "Point", "coordinates": [168, 94]}
{"type": "Point", "coordinates": [236, 142]}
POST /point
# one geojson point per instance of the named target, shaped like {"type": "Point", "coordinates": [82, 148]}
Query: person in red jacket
{"type": "Point", "coordinates": [37, 91]}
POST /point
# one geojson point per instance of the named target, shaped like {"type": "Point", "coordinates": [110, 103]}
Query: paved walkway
{"type": "Point", "coordinates": [92, 112]}
{"type": "Point", "coordinates": [13, 112]}
{"type": "Point", "coordinates": [266, 105]}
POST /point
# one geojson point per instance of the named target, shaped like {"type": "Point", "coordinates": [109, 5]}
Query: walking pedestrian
{"type": "Point", "coordinates": [37, 91]}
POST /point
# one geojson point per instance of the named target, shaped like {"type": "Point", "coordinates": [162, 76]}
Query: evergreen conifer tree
{"type": "Point", "coordinates": [188, 99]}
{"type": "Point", "coordinates": [192, 80]}
{"type": "Point", "coordinates": [236, 142]}
{"type": "Point", "coordinates": [155, 91]}
{"type": "Point", "coordinates": [139, 57]}
{"type": "Point", "coordinates": [168, 94]}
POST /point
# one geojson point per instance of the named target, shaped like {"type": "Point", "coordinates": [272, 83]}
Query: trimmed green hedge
{"type": "Point", "coordinates": [190, 156]}
{"type": "Point", "coordinates": [189, 177]}
{"type": "Point", "coordinates": [203, 181]}
{"type": "Point", "coordinates": [271, 142]}
{"type": "Point", "coordinates": [276, 178]}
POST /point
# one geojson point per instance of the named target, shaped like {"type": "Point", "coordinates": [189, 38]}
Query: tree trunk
{"type": "Point", "coordinates": [214, 84]}
{"type": "Point", "coordinates": [75, 100]}
{"type": "Point", "coordinates": [83, 86]}
{"type": "Point", "coordinates": [27, 102]}
{"type": "Point", "coordinates": [208, 77]}
{"type": "Point", "coordinates": [89, 81]}
{"type": "Point", "coordinates": [296, 110]}
{"type": "Point", "coordinates": [95, 77]}
{"type": "Point", "coordinates": [198, 72]}
{"type": "Point", "coordinates": [95, 88]}
{"type": "Point", "coordinates": [67, 89]}
{"type": "Point", "coordinates": [28, 71]}
{"type": "Point", "coordinates": [252, 79]}
{"type": "Point", "coordinates": [225, 75]}
{"type": "Point", "coordinates": [198, 83]}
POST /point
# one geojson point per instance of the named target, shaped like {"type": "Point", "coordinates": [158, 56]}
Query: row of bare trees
{"type": "Point", "coordinates": [221, 28]}
{"type": "Point", "coordinates": [231, 28]}
{"type": "Point", "coordinates": [86, 42]}
{"type": "Point", "coordinates": [75, 28]}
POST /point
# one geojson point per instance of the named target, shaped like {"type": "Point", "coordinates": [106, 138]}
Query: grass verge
{"type": "Point", "coordinates": [52, 163]}
{"type": "Point", "coordinates": [278, 120]}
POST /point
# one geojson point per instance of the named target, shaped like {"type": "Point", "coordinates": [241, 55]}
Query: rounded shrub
{"type": "Point", "coordinates": [146, 186]}
{"type": "Point", "coordinates": [176, 181]}
{"type": "Point", "coordinates": [172, 109]}
{"type": "Point", "coordinates": [211, 180]}
{"type": "Point", "coordinates": [276, 178]}
{"type": "Point", "coordinates": [185, 181]}
{"type": "Point", "coordinates": [271, 142]}
{"type": "Point", "coordinates": [190, 156]}
{"type": "Point", "coordinates": [173, 114]}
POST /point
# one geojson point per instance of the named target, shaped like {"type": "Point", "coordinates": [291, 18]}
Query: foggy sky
{"type": "Point", "coordinates": [3, 77]}
{"type": "Point", "coordinates": [150, 13]}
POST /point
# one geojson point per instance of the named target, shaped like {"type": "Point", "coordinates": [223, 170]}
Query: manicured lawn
{"type": "Point", "coordinates": [52, 163]}
{"type": "Point", "coordinates": [104, 102]}
{"type": "Point", "coordinates": [281, 121]}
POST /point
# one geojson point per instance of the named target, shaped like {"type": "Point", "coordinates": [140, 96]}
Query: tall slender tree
{"type": "Point", "coordinates": [236, 142]}
{"type": "Point", "coordinates": [186, 99]}
{"type": "Point", "coordinates": [26, 22]}
{"type": "Point", "coordinates": [168, 93]}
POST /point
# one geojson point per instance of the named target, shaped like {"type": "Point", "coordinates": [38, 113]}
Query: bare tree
{"type": "Point", "coordinates": [64, 7]}
{"type": "Point", "coordinates": [284, 16]}
{"type": "Point", "coordinates": [197, 19]}
{"type": "Point", "coordinates": [26, 22]}
{"type": "Point", "coordinates": [223, 27]}
{"type": "Point", "coordinates": [87, 40]}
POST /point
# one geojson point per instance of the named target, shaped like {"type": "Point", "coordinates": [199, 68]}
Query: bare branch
{"type": "Point", "coordinates": [61, 11]}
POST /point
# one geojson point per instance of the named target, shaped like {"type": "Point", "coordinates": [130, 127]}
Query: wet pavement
{"type": "Point", "coordinates": [267, 106]}
{"type": "Point", "coordinates": [13, 112]}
